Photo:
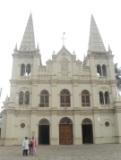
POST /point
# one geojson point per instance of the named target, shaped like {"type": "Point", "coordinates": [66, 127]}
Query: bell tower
{"type": "Point", "coordinates": [100, 62]}
{"type": "Point", "coordinates": [26, 60]}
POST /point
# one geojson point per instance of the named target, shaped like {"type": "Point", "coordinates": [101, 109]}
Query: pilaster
{"type": "Point", "coordinates": [54, 130]}
{"type": "Point", "coordinates": [77, 130]}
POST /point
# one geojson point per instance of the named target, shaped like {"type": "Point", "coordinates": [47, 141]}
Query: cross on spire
{"type": "Point", "coordinates": [63, 38]}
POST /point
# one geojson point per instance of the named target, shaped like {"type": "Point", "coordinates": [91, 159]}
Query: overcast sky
{"type": "Point", "coordinates": [51, 18]}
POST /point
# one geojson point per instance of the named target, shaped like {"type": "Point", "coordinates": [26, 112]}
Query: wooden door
{"type": "Point", "coordinates": [65, 134]}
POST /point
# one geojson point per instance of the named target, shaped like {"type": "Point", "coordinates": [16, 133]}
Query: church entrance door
{"type": "Point", "coordinates": [44, 132]}
{"type": "Point", "coordinates": [65, 132]}
{"type": "Point", "coordinates": [87, 131]}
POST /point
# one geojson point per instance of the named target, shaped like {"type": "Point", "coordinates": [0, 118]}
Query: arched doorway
{"type": "Point", "coordinates": [65, 131]}
{"type": "Point", "coordinates": [87, 131]}
{"type": "Point", "coordinates": [44, 132]}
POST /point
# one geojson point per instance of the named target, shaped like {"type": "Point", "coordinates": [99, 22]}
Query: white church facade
{"type": "Point", "coordinates": [66, 101]}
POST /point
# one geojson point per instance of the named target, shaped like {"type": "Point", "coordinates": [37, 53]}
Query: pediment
{"type": "Point", "coordinates": [64, 51]}
{"type": "Point", "coordinates": [63, 55]}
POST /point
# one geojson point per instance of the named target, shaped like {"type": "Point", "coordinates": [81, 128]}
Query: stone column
{"type": "Point", "coordinates": [54, 96]}
{"type": "Point", "coordinates": [10, 134]}
{"type": "Point", "coordinates": [97, 125]}
{"type": "Point", "coordinates": [75, 96]}
{"type": "Point", "coordinates": [77, 134]}
{"type": "Point", "coordinates": [118, 119]}
{"type": "Point", "coordinates": [34, 126]}
{"type": "Point", "coordinates": [54, 130]}
{"type": "Point", "coordinates": [35, 99]}
{"type": "Point", "coordinates": [94, 96]}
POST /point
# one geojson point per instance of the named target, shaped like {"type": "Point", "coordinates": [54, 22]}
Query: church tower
{"type": "Point", "coordinates": [27, 51]}
{"type": "Point", "coordinates": [96, 51]}
{"type": "Point", "coordinates": [26, 61]}
{"type": "Point", "coordinates": [100, 60]}
{"type": "Point", "coordinates": [102, 77]}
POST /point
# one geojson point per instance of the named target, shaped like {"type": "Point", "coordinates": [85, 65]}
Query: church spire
{"type": "Point", "coordinates": [28, 41]}
{"type": "Point", "coordinates": [95, 39]}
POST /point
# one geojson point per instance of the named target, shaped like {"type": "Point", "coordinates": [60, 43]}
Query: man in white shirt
{"type": "Point", "coordinates": [25, 146]}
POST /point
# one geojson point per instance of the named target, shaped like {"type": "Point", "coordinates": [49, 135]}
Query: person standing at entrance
{"type": "Point", "coordinates": [30, 147]}
{"type": "Point", "coordinates": [34, 145]}
{"type": "Point", "coordinates": [25, 146]}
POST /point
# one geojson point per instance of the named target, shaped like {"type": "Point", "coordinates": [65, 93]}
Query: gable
{"type": "Point", "coordinates": [63, 55]}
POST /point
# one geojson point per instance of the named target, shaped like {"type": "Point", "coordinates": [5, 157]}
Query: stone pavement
{"type": "Point", "coordinates": [75, 152]}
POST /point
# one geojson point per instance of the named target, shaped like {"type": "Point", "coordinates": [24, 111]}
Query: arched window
{"type": "Point", "coordinates": [21, 98]}
{"type": "Point", "coordinates": [22, 69]}
{"type": "Point", "coordinates": [99, 70]}
{"type": "Point", "coordinates": [107, 100]}
{"type": "Point", "coordinates": [44, 99]}
{"type": "Point", "coordinates": [101, 98]}
{"type": "Point", "coordinates": [85, 98]}
{"type": "Point", "coordinates": [28, 69]}
{"type": "Point", "coordinates": [104, 70]}
{"type": "Point", "coordinates": [65, 98]}
{"type": "Point", "coordinates": [27, 97]}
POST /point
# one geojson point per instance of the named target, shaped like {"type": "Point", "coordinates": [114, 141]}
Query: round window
{"type": "Point", "coordinates": [22, 125]}
{"type": "Point", "coordinates": [107, 124]}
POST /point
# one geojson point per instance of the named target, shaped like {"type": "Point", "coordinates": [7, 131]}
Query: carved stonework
{"type": "Point", "coordinates": [64, 66]}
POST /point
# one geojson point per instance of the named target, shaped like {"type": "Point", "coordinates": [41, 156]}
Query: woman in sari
{"type": "Point", "coordinates": [34, 145]}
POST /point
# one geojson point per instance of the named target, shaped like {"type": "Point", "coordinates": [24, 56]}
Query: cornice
{"type": "Point", "coordinates": [60, 111]}
{"type": "Point", "coordinates": [100, 54]}
{"type": "Point", "coordinates": [62, 81]}
{"type": "Point", "coordinates": [118, 109]}
{"type": "Point", "coordinates": [28, 54]}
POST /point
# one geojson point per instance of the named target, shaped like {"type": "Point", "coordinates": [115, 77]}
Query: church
{"type": "Point", "coordinates": [66, 101]}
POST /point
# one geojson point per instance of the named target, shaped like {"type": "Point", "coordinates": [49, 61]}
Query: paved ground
{"type": "Point", "coordinates": [80, 152]}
